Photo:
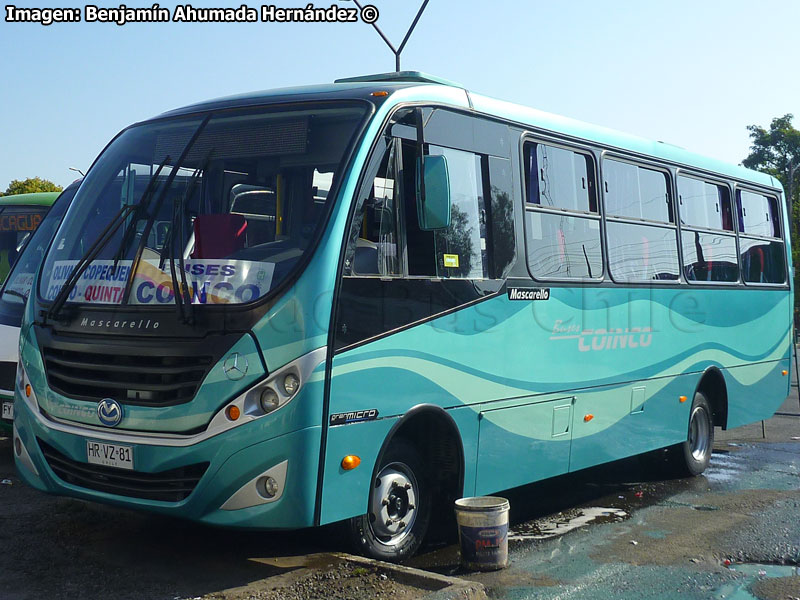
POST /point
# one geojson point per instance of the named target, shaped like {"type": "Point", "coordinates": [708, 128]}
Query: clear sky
{"type": "Point", "coordinates": [690, 72]}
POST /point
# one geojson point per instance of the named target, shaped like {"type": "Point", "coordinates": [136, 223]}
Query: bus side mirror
{"type": "Point", "coordinates": [433, 193]}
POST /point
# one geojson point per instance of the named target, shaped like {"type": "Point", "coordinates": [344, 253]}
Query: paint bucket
{"type": "Point", "coordinates": [483, 532]}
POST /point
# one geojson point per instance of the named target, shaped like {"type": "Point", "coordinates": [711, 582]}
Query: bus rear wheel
{"type": "Point", "coordinates": [692, 456]}
{"type": "Point", "coordinates": [399, 507]}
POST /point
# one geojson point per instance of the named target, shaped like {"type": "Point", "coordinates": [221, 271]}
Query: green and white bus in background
{"type": "Point", "coordinates": [20, 215]}
{"type": "Point", "coordinates": [357, 302]}
{"type": "Point", "coordinates": [14, 294]}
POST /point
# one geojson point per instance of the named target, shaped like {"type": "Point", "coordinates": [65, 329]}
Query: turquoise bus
{"type": "Point", "coordinates": [356, 302]}
{"type": "Point", "coordinates": [20, 215]}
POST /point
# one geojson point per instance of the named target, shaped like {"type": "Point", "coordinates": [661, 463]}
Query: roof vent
{"type": "Point", "coordinates": [400, 77]}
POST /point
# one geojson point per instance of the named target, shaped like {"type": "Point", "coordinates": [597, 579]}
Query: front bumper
{"type": "Point", "coordinates": [236, 460]}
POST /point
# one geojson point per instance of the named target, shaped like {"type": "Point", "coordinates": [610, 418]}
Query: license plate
{"type": "Point", "coordinates": [109, 455]}
{"type": "Point", "coordinates": [8, 411]}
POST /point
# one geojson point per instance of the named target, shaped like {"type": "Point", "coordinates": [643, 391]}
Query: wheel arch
{"type": "Point", "coordinates": [413, 426]}
{"type": "Point", "coordinates": [712, 384]}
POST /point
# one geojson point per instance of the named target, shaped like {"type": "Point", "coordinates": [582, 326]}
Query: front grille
{"type": "Point", "coordinates": [167, 486]}
{"type": "Point", "coordinates": [152, 379]}
{"type": "Point", "coordinates": [8, 372]}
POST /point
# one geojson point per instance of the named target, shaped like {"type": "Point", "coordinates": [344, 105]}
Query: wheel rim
{"type": "Point", "coordinates": [393, 504]}
{"type": "Point", "coordinates": [699, 434]}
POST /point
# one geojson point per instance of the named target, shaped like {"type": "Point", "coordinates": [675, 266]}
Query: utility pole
{"type": "Point", "coordinates": [790, 200]}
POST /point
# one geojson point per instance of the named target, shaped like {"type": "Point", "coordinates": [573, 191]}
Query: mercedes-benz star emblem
{"type": "Point", "coordinates": [109, 412]}
{"type": "Point", "coordinates": [235, 366]}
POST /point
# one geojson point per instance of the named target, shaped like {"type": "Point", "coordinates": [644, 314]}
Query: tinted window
{"type": "Point", "coordinates": [758, 214]}
{"type": "Point", "coordinates": [502, 216]}
{"type": "Point", "coordinates": [704, 204]}
{"type": "Point", "coordinates": [559, 178]}
{"type": "Point", "coordinates": [374, 249]}
{"type": "Point", "coordinates": [762, 261]}
{"type": "Point", "coordinates": [635, 192]}
{"type": "Point", "coordinates": [709, 257]}
{"type": "Point", "coordinates": [560, 246]}
{"type": "Point", "coordinates": [461, 248]}
{"type": "Point", "coordinates": [642, 253]}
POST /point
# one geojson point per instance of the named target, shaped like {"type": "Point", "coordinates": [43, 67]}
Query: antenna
{"type": "Point", "coordinates": [397, 51]}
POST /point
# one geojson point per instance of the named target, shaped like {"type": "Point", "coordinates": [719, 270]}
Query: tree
{"type": "Point", "coordinates": [777, 151]}
{"type": "Point", "coordinates": [31, 185]}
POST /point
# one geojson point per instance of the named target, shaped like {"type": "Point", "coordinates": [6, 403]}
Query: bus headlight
{"type": "Point", "coordinates": [271, 394]}
{"type": "Point", "coordinates": [291, 384]}
{"type": "Point", "coordinates": [269, 400]}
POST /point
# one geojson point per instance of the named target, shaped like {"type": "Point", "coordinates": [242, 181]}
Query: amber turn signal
{"type": "Point", "coordinates": [380, 94]}
{"type": "Point", "coordinates": [588, 418]}
{"type": "Point", "coordinates": [27, 390]}
{"type": "Point", "coordinates": [233, 412]}
{"type": "Point", "coordinates": [682, 398]}
{"type": "Point", "coordinates": [350, 462]}
{"type": "Point", "coordinates": [784, 373]}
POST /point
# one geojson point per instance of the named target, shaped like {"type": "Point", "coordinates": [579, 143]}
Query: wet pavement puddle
{"type": "Point", "coordinates": [753, 572]}
{"type": "Point", "coordinates": [542, 529]}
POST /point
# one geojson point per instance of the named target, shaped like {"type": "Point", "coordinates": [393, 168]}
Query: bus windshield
{"type": "Point", "coordinates": [221, 207]}
{"type": "Point", "coordinates": [16, 224]}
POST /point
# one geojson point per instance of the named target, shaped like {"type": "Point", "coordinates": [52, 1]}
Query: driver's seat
{"type": "Point", "coordinates": [219, 236]}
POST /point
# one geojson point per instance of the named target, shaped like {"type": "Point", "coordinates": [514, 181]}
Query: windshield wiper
{"type": "Point", "coordinates": [141, 206]}
{"type": "Point", "coordinates": [168, 249]}
{"type": "Point", "coordinates": [88, 257]}
{"type": "Point", "coordinates": [151, 218]}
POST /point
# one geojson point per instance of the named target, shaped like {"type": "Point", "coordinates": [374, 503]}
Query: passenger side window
{"type": "Point", "coordinates": [707, 257]}
{"type": "Point", "coordinates": [642, 236]}
{"type": "Point", "coordinates": [562, 221]}
{"type": "Point", "coordinates": [704, 204]}
{"type": "Point", "coordinates": [636, 192]}
{"type": "Point", "coordinates": [758, 214]}
{"type": "Point", "coordinates": [760, 246]}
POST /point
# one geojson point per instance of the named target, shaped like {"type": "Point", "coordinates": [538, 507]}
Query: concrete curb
{"type": "Point", "coordinates": [442, 587]}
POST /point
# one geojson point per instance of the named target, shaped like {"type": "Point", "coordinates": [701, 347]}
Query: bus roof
{"type": "Point", "coordinates": [415, 86]}
{"type": "Point", "coordinates": [35, 199]}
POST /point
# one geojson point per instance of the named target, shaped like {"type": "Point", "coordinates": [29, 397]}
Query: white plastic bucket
{"type": "Point", "coordinates": [483, 532]}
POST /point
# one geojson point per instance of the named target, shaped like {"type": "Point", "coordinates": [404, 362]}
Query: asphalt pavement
{"type": "Point", "coordinates": [617, 531]}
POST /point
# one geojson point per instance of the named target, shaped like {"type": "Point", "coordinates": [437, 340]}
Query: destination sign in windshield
{"type": "Point", "coordinates": [18, 221]}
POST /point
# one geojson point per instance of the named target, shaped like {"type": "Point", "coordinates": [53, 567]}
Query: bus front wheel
{"type": "Point", "coordinates": [692, 456]}
{"type": "Point", "coordinates": [399, 507]}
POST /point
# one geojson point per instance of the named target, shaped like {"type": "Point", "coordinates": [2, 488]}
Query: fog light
{"type": "Point", "coordinates": [269, 400]}
{"type": "Point", "coordinates": [17, 446]}
{"type": "Point", "coordinates": [270, 487]}
{"type": "Point", "coordinates": [290, 384]}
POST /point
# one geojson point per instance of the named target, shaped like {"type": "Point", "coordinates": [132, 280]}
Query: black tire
{"type": "Point", "coordinates": [692, 456]}
{"type": "Point", "coordinates": [382, 533]}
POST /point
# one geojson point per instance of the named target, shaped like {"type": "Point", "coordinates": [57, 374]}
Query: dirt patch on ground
{"type": "Point", "coordinates": [777, 588]}
{"type": "Point", "coordinates": [344, 581]}
{"type": "Point", "coordinates": [691, 532]}
{"type": "Point", "coordinates": [57, 548]}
